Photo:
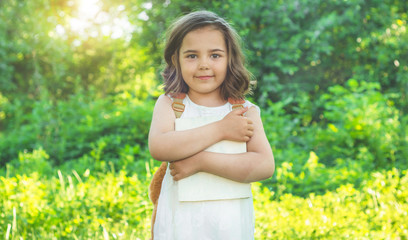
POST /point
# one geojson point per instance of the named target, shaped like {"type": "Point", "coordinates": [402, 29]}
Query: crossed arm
{"type": "Point", "coordinates": [185, 149]}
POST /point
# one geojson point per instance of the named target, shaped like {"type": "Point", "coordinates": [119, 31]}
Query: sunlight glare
{"type": "Point", "coordinates": [88, 9]}
{"type": "Point", "coordinates": [143, 16]}
{"type": "Point", "coordinates": [92, 21]}
{"type": "Point", "coordinates": [87, 12]}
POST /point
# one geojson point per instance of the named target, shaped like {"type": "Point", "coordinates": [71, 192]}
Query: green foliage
{"type": "Point", "coordinates": [104, 128]}
{"type": "Point", "coordinates": [75, 109]}
{"type": "Point", "coordinates": [362, 123]}
{"type": "Point", "coordinates": [316, 185]}
{"type": "Point", "coordinates": [359, 130]}
{"type": "Point", "coordinates": [305, 46]}
{"type": "Point", "coordinates": [30, 58]}
{"type": "Point", "coordinates": [292, 46]}
{"type": "Point", "coordinates": [26, 162]}
{"type": "Point", "coordinates": [312, 176]}
{"type": "Point", "coordinates": [369, 213]}
{"type": "Point", "coordinates": [78, 205]}
{"type": "Point", "coordinates": [74, 206]}
{"type": "Point", "coordinates": [42, 53]}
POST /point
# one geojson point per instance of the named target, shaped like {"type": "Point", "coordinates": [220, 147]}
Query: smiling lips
{"type": "Point", "coordinates": [204, 77]}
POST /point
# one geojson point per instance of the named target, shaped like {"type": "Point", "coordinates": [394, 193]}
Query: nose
{"type": "Point", "coordinates": [203, 64]}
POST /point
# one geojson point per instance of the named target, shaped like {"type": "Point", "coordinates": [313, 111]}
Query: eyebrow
{"type": "Point", "coordinates": [195, 51]}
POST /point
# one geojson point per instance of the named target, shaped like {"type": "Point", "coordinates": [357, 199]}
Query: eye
{"type": "Point", "coordinates": [215, 55]}
{"type": "Point", "coordinates": [192, 56]}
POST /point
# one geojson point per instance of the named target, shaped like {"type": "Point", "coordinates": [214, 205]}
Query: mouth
{"type": "Point", "coordinates": [204, 77]}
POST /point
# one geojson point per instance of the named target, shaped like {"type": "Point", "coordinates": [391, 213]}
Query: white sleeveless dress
{"type": "Point", "coordinates": [231, 219]}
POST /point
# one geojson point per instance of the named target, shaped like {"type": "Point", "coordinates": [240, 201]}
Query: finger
{"type": "Point", "coordinates": [249, 133]}
{"type": "Point", "coordinates": [241, 111]}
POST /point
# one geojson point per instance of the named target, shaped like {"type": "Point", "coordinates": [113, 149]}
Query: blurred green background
{"type": "Point", "coordinates": [78, 82]}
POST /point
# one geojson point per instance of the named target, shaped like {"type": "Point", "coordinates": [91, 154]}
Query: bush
{"type": "Point", "coordinates": [362, 124]}
{"type": "Point", "coordinates": [376, 211]}
{"type": "Point", "coordinates": [336, 139]}
{"type": "Point", "coordinates": [67, 130]}
{"type": "Point", "coordinates": [27, 163]}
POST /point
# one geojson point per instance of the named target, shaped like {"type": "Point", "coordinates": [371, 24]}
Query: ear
{"type": "Point", "coordinates": [173, 59]}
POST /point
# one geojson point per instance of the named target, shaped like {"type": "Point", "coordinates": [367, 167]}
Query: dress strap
{"type": "Point", "coordinates": [178, 105]}
{"type": "Point", "coordinates": [236, 103]}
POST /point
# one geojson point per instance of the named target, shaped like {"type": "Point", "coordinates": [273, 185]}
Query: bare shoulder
{"type": "Point", "coordinates": [163, 113]}
{"type": "Point", "coordinates": [164, 100]}
{"type": "Point", "coordinates": [254, 114]}
{"type": "Point", "coordinates": [163, 105]}
{"type": "Point", "coordinates": [163, 116]}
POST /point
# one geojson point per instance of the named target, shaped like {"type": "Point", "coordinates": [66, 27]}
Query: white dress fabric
{"type": "Point", "coordinates": [202, 220]}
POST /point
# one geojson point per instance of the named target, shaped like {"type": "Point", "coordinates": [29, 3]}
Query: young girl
{"type": "Point", "coordinates": [205, 193]}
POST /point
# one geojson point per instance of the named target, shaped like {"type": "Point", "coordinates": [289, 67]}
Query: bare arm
{"type": "Point", "coordinates": [254, 165]}
{"type": "Point", "coordinates": [166, 144]}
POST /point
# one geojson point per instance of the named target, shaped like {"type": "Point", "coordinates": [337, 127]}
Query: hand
{"type": "Point", "coordinates": [236, 127]}
{"type": "Point", "coordinates": [184, 168]}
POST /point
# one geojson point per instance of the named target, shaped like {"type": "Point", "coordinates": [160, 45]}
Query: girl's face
{"type": "Point", "coordinates": [204, 61]}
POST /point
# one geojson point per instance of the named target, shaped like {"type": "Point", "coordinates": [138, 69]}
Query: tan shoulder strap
{"type": "Point", "coordinates": [178, 105]}
{"type": "Point", "coordinates": [236, 103]}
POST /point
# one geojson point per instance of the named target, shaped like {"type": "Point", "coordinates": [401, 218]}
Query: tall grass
{"type": "Point", "coordinates": [115, 205]}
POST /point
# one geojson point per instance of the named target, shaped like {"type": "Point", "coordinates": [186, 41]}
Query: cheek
{"type": "Point", "coordinates": [183, 68]}
{"type": "Point", "coordinates": [187, 70]}
{"type": "Point", "coordinates": [221, 67]}
{"type": "Point", "coordinates": [187, 66]}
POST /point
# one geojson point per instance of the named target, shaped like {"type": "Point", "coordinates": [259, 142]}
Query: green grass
{"type": "Point", "coordinates": [74, 206]}
{"type": "Point", "coordinates": [115, 205]}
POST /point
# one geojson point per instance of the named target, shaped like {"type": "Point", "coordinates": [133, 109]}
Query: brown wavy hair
{"type": "Point", "coordinates": [238, 80]}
